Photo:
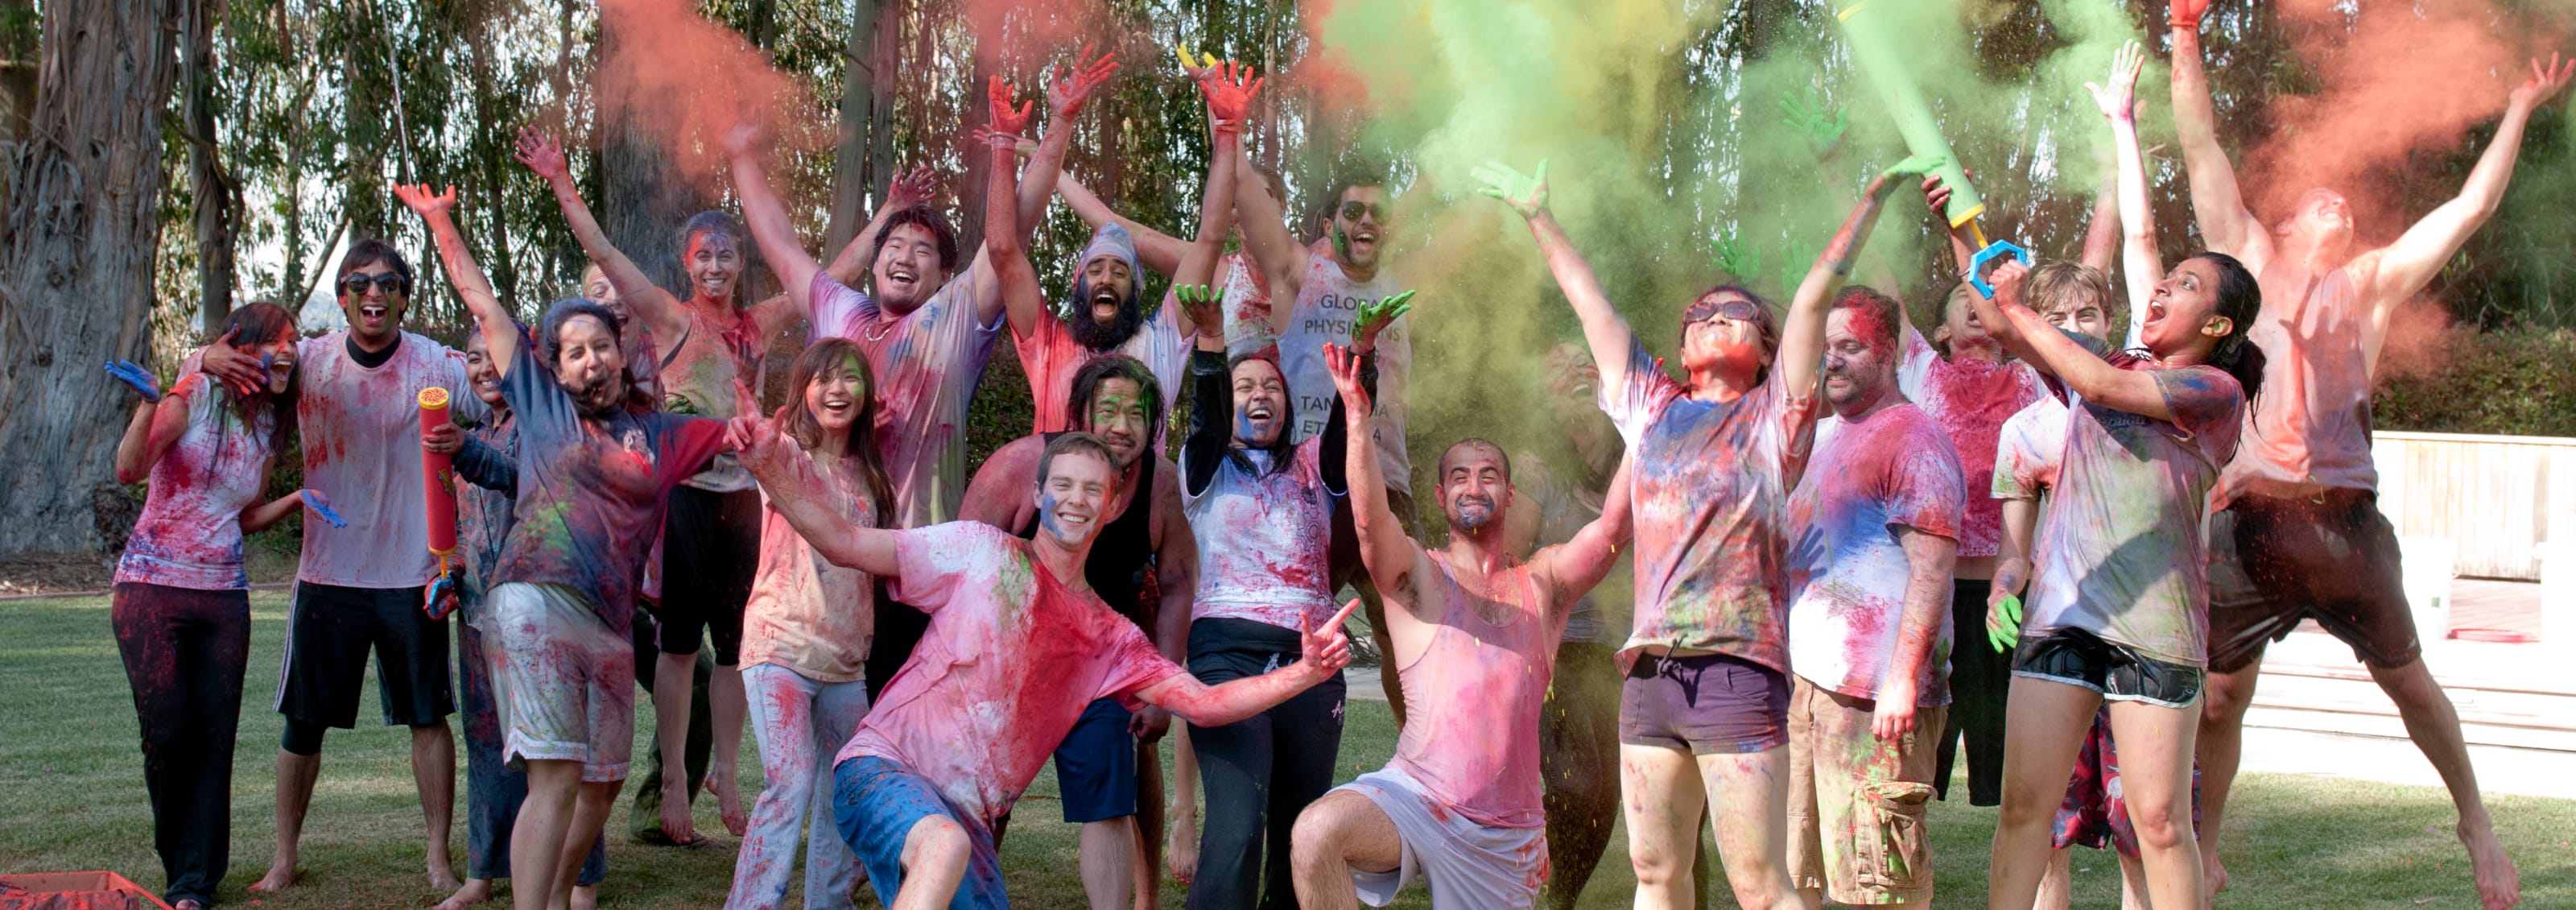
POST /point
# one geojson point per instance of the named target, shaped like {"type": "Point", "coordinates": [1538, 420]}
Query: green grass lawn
{"type": "Point", "coordinates": [69, 765]}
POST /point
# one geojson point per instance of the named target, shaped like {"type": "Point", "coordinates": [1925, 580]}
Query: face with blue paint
{"type": "Point", "coordinates": [1260, 403]}
{"type": "Point", "coordinates": [1475, 486]}
{"type": "Point", "coordinates": [1073, 495]}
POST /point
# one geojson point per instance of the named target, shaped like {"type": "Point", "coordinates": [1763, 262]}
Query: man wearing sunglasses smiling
{"type": "Point", "coordinates": [360, 586]}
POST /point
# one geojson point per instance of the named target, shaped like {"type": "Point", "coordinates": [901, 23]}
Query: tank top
{"type": "Point", "coordinates": [1123, 552]}
{"type": "Point", "coordinates": [2311, 425]}
{"type": "Point", "coordinates": [700, 371]}
{"type": "Point", "coordinates": [1474, 694]}
{"type": "Point", "coordinates": [1327, 301]}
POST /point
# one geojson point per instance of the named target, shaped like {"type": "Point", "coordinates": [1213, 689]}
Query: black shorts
{"type": "Point", "coordinates": [710, 551]}
{"type": "Point", "coordinates": [328, 632]}
{"type": "Point", "coordinates": [1705, 704]}
{"type": "Point", "coordinates": [2080, 658]}
{"type": "Point", "coordinates": [2273, 562]}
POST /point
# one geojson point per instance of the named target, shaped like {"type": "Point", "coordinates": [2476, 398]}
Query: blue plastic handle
{"type": "Point", "coordinates": [1977, 264]}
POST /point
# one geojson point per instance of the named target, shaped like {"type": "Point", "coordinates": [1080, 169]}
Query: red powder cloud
{"type": "Point", "coordinates": [681, 78]}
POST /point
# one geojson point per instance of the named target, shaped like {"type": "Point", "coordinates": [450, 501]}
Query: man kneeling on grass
{"type": "Point", "coordinates": [1018, 645]}
{"type": "Point", "coordinates": [1475, 635]}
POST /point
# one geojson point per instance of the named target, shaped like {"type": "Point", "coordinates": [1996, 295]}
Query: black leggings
{"type": "Point", "coordinates": [184, 652]}
{"type": "Point", "coordinates": [1980, 678]}
{"type": "Point", "coordinates": [1260, 772]}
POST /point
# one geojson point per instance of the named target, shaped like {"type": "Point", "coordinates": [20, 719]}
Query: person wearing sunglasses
{"type": "Point", "coordinates": [1703, 716]}
{"type": "Point", "coordinates": [361, 587]}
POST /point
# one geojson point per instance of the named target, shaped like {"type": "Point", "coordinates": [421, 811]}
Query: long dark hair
{"type": "Point", "coordinates": [833, 354]}
{"type": "Point", "coordinates": [1086, 383]}
{"type": "Point", "coordinates": [1283, 450]}
{"type": "Point", "coordinates": [256, 325]}
{"type": "Point", "coordinates": [2240, 300]}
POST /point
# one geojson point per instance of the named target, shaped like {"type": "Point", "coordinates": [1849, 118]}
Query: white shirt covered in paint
{"type": "Point", "coordinates": [927, 363]}
{"type": "Point", "coordinates": [1327, 301]}
{"type": "Point", "coordinates": [360, 430]}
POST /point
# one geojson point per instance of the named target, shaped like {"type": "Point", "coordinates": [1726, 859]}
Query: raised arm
{"type": "Point", "coordinates": [1384, 547]}
{"type": "Point", "coordinates": [1802, 334]}
{"type": "Point", "coordinates": [1157, 250]}
{"type": "Point", "coordinates": [1323, 652]}
{"type": "Point", "coordinates": [2226, 225]}
{"type": "Point", "coordinates": [1015, 281]}
{"type": "Point", "coordinates": [770, 227]}
{"type": "Point", "coordinates": [787, 474]}
{"type": "Point", "coordinates": [2102, 230]}
{"type": "Point", "coordinates": [1266, 239]}
{"type": "Point", "coordinates": [906, 190]}
{"type": "Point", "coordinates": [2410, 263]}
{"type": "Point", "coordinates": [1582, 561]}
{"type": "Point", "coordinates": [159, 420]}
{"type": "Point", "coordinates": [1211, 390]}
{"type": "Point", "coordinates": [1604, 329]}
{"type": "Point", "coordinates": [1229, 102]}
{"type": "Point", "coordinates": [659, 310]}
{"type": "Point", "coordinates": [499, 329]}
{"type": "Point", "coordinates": [2141, 266]}
{"type": "Point", "coordinates": [2031, 338]}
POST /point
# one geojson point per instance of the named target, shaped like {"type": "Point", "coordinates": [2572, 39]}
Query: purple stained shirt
{"type": "Point", "coordinates": [927, 363]}
{"type": "Point", "coordinates": [591, 492]}
{"type": "Point", "coordinates": [1847, 573]}
{"type": "Point", "coordinates": [1710, 485]}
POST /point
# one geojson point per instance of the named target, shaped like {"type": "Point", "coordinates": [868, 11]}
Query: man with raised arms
{"type": "Point", "coordinates": [2298, 532]}
{"type": "Point", "coordinates": [1018, 645]}
{"type": "Point", "coordinates": [1476, 631]}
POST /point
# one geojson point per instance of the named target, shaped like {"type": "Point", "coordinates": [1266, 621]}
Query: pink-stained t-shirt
{"type": "Point", "coordinates": [1265, 539]}
{"type": "Point", "coordinates": [2120, 550]}
{"type": "Point", "coordinates": [1847, 573]}
{"type": "Point", "coordinates": [190, 535]}
{"type": "Point", "coordinates": [1970, 399]}
{"type": "Point", "coordinates": [2033, 445]}
{"type": "Point", "coordinates": [1247, 305]}
{"type": "Point", "coordinates": [927, 363]}
{"type": "Point", "coordinates": [360, 428]}
{"type": "Point", "coordinates": [1710, 482]}
{"type": "Point", "coordinates": [805, 613]}
{"type": "Point", "coordinates": [1009, 661]}
{"type": "Point", "coordinates": [698, 380]}
{"type": "Point", "coordinates": [1327, 303]}
{"type": "Point", "coordinates": [2312, 423]}
{"type": "Point", "coordinates": [1050, 356]}
{"type": "Point", "coordinates": [1474, 692]}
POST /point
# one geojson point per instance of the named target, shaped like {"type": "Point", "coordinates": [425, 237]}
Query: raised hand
{"type": "Point", "coordinates": [2545, 81]}
{"type": "Point", "coordinates": [2118, 98]}
{"type": "Point", "coordinates": [756, 442]}
{"type": "Point", "coordinates": [1229, 93]}
{"type": "Point", "coordinates": [541, 153]}
{"type": "Point", "coordinates": [1006, 121]}
{"type": "Point", "coordinates": [1196, 68]}
{"type": "Point", "coordinates": [1807, 116]}
{"type": "Point", "coordinates": [1201, 303]}
{"type": "Point", "coordinates": [1065, 97]}
{"type": "Point", "coordinates": [1743, 263]}
{"type": "Point", "coordinates": [133, 374]}
{"type": "Point", "coordinates": [421, 201]}
{"type": "Point", "coordinates": [1913, 165]}
{"type": "Point", "coordinates": [321, 507]}
{"type": "Point", "coordinates": [1525, 194]}
{"type": "Point", "coordinates": [2185, 14]}
{"type": "Point", "coordinates": [2007, 280]}
{"type": "Point", "coordinates": [738, 139]}
{"type": "Point", "coordinates": [1344, 364]}
{"type": "Point", "coordinates": [1324, 652]}
{"type": "Point", "coordinates": [229, 364]}
{"type": "Point", "coordinates": [1375, 317]}
{"type": "Point", "coordinates": [912, 188]}
{"type": "Point", "coordinates": [2003, 621]}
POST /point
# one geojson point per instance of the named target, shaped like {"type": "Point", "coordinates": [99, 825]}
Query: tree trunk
{"type": "Point", "coordinates": [17, 88]}
{"type": "Point", "coordinates": [76, 253]}
{"type": "Point", "coordinates": [642, 199]}
{"type": "Point", "coordinates": [855, 178]}
{"type": "Point", "coordinates": [210, 187]}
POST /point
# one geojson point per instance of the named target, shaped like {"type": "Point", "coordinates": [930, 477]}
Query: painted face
{"type": "Point", "coordinates": [907, 270]}
{"type": "Point", "coordinates": [374, 296]}
{"type": "Point", "coordinates": [280, 352]}
{"type": "Point", "coordinates": [1962, 332]}
{"type": "Point", "coordinates": [1722, 336]}
{"type": "Point", "coordinates": [481, 371]}
{"type": "Point", "coordinates": [1474, 487]}
{"type": "Point", "coordinates": [2324, 218]}
{"type": "Point", "coordinates": [1860, 362]}
{"type": "Point", "coordinates": [1260, 403]}
{"type": "Point", "coordinates": [595, 286]}
{"type": "Point", "coordinates": [590, 367]}
{"type": "Point", "coordinates": [833, 396]}
{"type": "Point", "coordinates": [1361, 220]}
{"type": "Point", "coordinates": [1073, 495]}
{"type": "Point", "coordinates": [2183, 310]}
{"type": "Point", "coordinates": [2083, 318]}
{"type": "Point", "coordinates": [1109, 283]}
{"type": "Point", "coordinates": [714, 262]}
{"type": "Point", "coordinates": [1120, 416]}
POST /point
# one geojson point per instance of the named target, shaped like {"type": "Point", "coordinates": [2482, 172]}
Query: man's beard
{"type": "Point", "coordinates": [1091, 333]}
{"type": "Point", "coordinates": [1474, 513]}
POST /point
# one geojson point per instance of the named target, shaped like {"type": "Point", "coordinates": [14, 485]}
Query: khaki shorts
{"type": "Point", "coordinates": [565, 682]}
{"type": "Point", "coordinates": [1857, 803]}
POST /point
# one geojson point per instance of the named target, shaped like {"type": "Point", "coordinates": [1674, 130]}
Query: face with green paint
{"type": "Point", "coordinates": [1362, 218]}
{"type": "Point", "coordinates": [1073, 495]}
{"type": "Point", "coordinates": [835, 394]}
{"type": "Point", "coordinates": [1120, 416]}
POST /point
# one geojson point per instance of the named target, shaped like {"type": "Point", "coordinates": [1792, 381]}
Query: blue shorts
{"type": "Point", "coordinates": [876, 802]}
{"type": "Point", "coordinates": [1095, 766]}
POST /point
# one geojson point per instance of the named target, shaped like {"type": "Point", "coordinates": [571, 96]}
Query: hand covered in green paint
{"type": "Point", "coordinates": [1808, 115]}
{"type": "Point", "coordinates": [1738, 261]}
{"type": "Point", "coordinates": [2545, 82]}
{"type": "Point", "coordinates": [1375, 317]}
{"type": "Point", "coordinates": [1201, 303]}
{"type": "Point", "coordinates": [1913, 165]}
{"type": "Point", "coordinates": [2003, 621]}
{"type": "Point", "coordinates": [542, 154]}
{"type": "Point", "coordinates": [1065, 97]}
{"type": "Point", "coordinates": [1525, 194]}
{"type": "Point", "coordinates": [2118, 98]}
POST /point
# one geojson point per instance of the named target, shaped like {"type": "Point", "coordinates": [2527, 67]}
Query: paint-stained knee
{"type": "Point", "coordinates": [936, 842]}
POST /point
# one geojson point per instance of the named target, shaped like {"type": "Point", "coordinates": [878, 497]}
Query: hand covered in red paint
{"type": "Point", "coordinates": [1894, 716]}
{"type": "Point", "coordinates": [2545, 82]}
{"type": "Point", "coordinates": [446, 439]}
{"type": "Point", "coordinates": [430, 206]}
{"type": "Point", "coordinates": [1324, 652]}
{"type": "Point", "coordinates": [1344, 364]}
{"type": "Point", "coordinates": [1525, 194]}
{"type": "Point", "coordinates": [1229, 96]}
{"type": "Point", "coordinates": [757, 442]}
{"type": "Point", "coordinates": [1150, 724]}
{"type": "Point", "coordinates": [2185, 14]}
{"type": "Point", "coordinates": [2118, 97]}
{"type": "Point", "coordinates": [226, 363]}
{"type": "Point", "coordinates": [542, 154]}
{"type": "Point", "coordinates": [1007, 122]}
{"type": "Point", "coordinates": [739, 139]}
{"type": "Point", "coordinates": [1065, 97]}
{"type": "Point", "coordinates": [2007, 279]}
{"type": "Point", "coordinates": [912, 188]}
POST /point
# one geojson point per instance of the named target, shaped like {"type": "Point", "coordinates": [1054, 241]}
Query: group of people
{"type": "Point", "coordinates": [1835, 521]}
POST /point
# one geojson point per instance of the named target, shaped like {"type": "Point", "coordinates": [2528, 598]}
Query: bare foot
{"type": "Point", "coordinates": [585, 897]}
{"type": "Point", "coordinates": [2499, 886]}
{"type": "Point", "coordinates": [728, 791]}
{"type": "Point", "coordinates": [474, 891]}
{"type": "Point", "coordinates": [189, 903]}
{"type": "Point", "coordinates": [676, 823]}
{"type": "Point", "coordinates": [442, 873]}
{"type": "Point", "coordinates": [2212, 872]}
{"type": "Point", "coordinates": [279, 877]}
{"type": "Point", "coordinates": [1181, 849]}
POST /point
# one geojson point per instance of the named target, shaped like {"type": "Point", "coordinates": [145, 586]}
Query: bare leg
{"type": "Point", "coordinates": [589, 817]}
{"type": "Point", "coordinates": [2155, 773]}
{"type": "Point", "coordinates": [433, 774]}
{"type": "Point", "coordinates": [726, 706]}
{"type": "Point", "coordinates": [545, 822]}
{"type": "Point", "coordinates": [1108, 860]}
{"type": "Point", "coordinates": [1748, 796]}
{"type": "Point", "coordinates": [1181, 826]}
{"type": "Point", "coordinates": [2133, 882]}
{"type": "Point", "coordinates": [1660, 794]}
{"type": "Point", "coordinates": [474, 891]}
{"type": "Point", "coordinates": [2048, 720]}
{"type": "Point", "coordinates": [2221, 746]}
{"type": "Point", "coordinates": [935, 853]}
{"type": "Point", "coordinates": [2435, 727]}
{"type": "Point", "coordinates": [673, 675]}
{"type": "Point", "coordinates": [1148, 871]}
{"type": "Point", "coordinates": [295, 774]}
{"type": "Point", "coordinates": [1338, 833]}
{"type": "Point", "coordinates": [2057, 888]}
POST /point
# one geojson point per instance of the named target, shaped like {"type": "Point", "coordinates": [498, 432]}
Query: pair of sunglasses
{"type": "Point", "coordinates": [389, 282]}
{"type": "Point", "coordinates": [1736, 308]}
{"type": "Point", "coordinates": [1352, 211]}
